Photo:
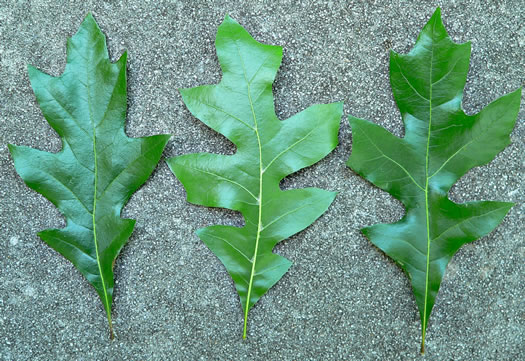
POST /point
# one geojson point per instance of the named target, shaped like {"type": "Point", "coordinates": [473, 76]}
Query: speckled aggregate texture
{"type": "Point", "coordinates": [342, 299]}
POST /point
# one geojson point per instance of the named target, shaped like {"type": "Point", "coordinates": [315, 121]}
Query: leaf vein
{"type": "Point", "coordinates": [393, 161]}
{"type": "Point", "coordinates": [232, 246]}
{"type": "Point", "coordinates": [225, 179]}
{"type": "Point", "coordinates": [408, 82]}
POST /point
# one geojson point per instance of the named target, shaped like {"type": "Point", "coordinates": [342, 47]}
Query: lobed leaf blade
{"type": "Point", "coordinates": [441, 144]}
{"type": "Point", "coordinates": [241, 108]}
{"type": "Point", "coordinates": [98, 167]}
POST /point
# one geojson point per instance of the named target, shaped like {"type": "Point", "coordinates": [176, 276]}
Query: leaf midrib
{"type": "Point", "coordinates": [424, 323]}
{"type": "Point", "coordinates": [259, 200]}
{"type": "Point", "coordinates": [95, 172]}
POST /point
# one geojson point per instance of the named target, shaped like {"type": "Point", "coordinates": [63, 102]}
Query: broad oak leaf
{"type": "Point", "coordinates": [98, 168]}
{"type": "Point", "coordinates": [241, 108]}
{"type": "Point", "coordinates": [441, 144]}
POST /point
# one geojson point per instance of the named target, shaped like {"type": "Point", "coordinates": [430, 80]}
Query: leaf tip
{"type": "Point", "coordinates": [340, 104]}
{"type": "Point", "coordinates": [123, 58]}
{"type": "Point", "coordinates": [16, 152]}
{"type": "Point", "coordinates": [229, 20]}
{"type": "Point", "coordinates": [89, 21]}
{"type": "Point", "coordinates": [435, 27]}
{"type": "Point", "coordinates": [42, 235]}
{"type": "Point", "coordinates": [436, 16]}
{"type": "Point", "coordinates": [170, 161]}
{"type": "Point", "coordinates": [366, 232]}
{"type": "Point", "coordinates": [354, 121]}
{"type": "Point", "coordinates": [199, 231]}
{"type": "Point", "coordinates": [508, 206]}
{"type": "Point", "coordinates": [182, 91]}
{"type": "Point", "coordinates": [32, 71]}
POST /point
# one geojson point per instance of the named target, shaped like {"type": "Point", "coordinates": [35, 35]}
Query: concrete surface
{"type": "Point", "coordinates": [342, 299]}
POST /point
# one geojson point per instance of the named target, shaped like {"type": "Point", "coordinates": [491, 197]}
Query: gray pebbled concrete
{"type": "Point", "coordinates": [342, 299]}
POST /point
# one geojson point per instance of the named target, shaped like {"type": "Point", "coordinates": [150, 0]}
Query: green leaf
{"type": "Point", "coordinates": [441, 144]}
{"type": "Point", "coordinates": [98, 168]}
{"type": "Point", "coordinates": [241, 108]}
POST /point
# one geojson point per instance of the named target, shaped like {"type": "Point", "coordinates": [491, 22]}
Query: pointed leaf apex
{"type": "Point", "coordinates": [517, 95]}
{"type": "Point", "coordinates": [31, 68]}
{"type": "Point", "coordinates": [34, 73]}
{"type": "Point", "coordinates": [434, 30]}
{"type": "Point", "coordinates": [123, 58]}
{"type": "Point", "coordinates": [229, 20]}
{"type": "Point", "coordinates": [199, 231]}
{"type": "Point", "coordinates": [435, 19]}
{"type": "Point", "coordinates": [89, 22]}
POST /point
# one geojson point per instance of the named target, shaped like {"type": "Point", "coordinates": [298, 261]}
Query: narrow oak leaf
{"type": "Point", "coordinates": [441, 144]}
{"type": "Point", "coordinates": [98, 168]}
{"type": "Point", "coordinates": [241, 108]}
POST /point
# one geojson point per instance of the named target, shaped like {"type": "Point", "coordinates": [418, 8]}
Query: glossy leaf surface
{"type": "Point", "coordinates": [241, 108]}
{"type": "Point", "coordinates": [441, 144]}
{"type": "Point", "coordinates": [98, 168]}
